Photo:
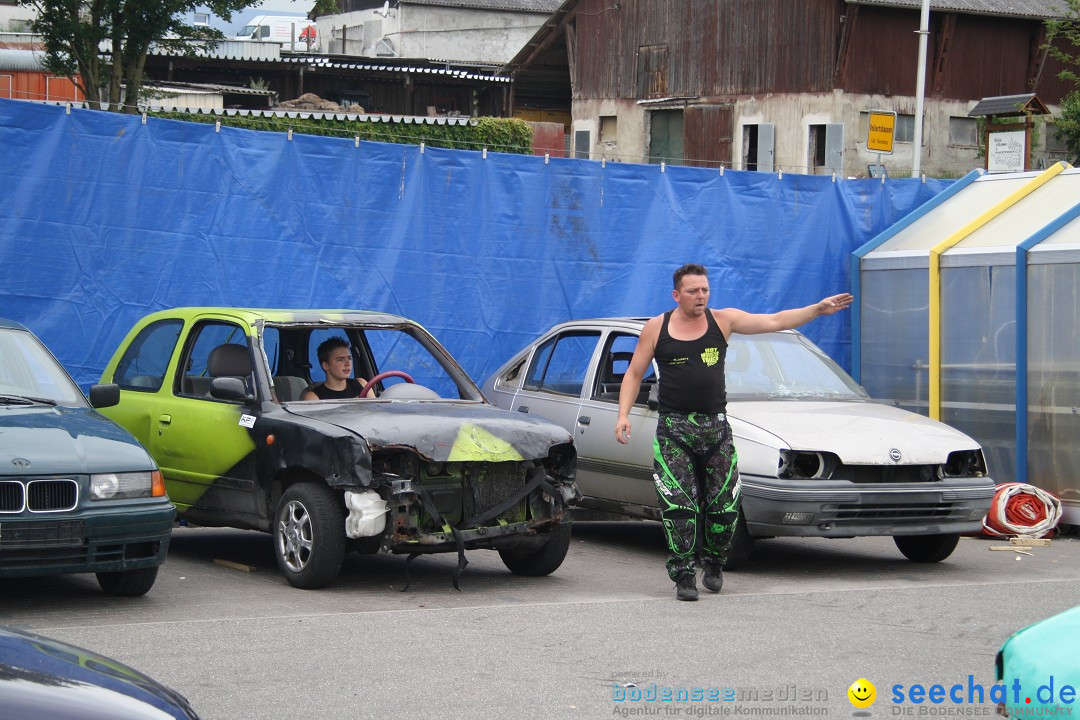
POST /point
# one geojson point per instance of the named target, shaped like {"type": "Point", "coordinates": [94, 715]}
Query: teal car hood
{"type": "Point", "coordinates": [441, 431]}
{"type": "Point", "coordinates": [65, 441]}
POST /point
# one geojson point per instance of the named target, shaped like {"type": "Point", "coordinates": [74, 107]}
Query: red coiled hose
{"type": "Point", "coordinates": [1021, 509]}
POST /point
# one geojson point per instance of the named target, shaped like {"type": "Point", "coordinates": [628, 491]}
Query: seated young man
{"type": "Point", "coordinates": [336, 360]}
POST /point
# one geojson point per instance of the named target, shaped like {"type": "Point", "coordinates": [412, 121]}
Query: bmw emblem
{"type": "Point", "coordinates": [894, 455]}
{"type": "Point", "coordinates": [21, 463]}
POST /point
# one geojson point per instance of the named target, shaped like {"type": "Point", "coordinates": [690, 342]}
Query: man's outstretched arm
{"type": "Point", "coordinates": [753, 323]}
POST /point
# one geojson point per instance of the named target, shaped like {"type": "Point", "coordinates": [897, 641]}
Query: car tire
{"type": "Point", "coordinates": [127, 583]}
{"type": "Point", "coordinates": [309, 535]}
{"type": "Point", "coordinates": [742, 546]}
{"type": "Point", "coordinates": [543, 560]}
{"type": "Point", "coordinates": [926, 548]}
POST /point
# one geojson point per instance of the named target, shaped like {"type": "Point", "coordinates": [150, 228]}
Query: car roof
{"type": "Point", "coordinates": [285, 315]}
{"type": "Point", "coordinates": [628, 320]}
{"type": "Point", "coordinates": [5, 323]}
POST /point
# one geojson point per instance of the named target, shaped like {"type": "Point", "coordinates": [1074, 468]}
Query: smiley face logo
{"type": "Point", "coordinates": [862, 693]}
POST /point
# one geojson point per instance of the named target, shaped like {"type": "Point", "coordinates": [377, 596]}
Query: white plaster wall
{"type": "Point", "coordinates": [17, 12]}
{"type": "Point", "coordinates": [632, 133]}
{"type": "Point", "coordinates": [465, 35]}
{"type": "Point", "coordinates": [792, 115]}
{"type": "Point", "coordinates": [435, 33]}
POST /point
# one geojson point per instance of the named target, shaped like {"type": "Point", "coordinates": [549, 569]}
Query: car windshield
{"type": "Point", "coordinates": [29, 375]}
{"type": "Point", "coordinates": [405, 353]}
{"type": "Point", "coordinates": [785, 366]}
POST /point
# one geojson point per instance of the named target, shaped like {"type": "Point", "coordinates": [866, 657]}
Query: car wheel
{"type": "Point", "coordinates": [128, 583]}
{"type": "Point", "coordinates": [543, 560]}
{"type": "Point", "coordinates": [309, 535]}
{"type": "Point", "coordinates": [926, 548]}
{"type": "Point", "coordinates": [742, 546]}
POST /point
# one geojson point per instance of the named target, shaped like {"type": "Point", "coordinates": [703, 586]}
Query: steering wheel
{"type": "Point", "coordinates": [383, 376]}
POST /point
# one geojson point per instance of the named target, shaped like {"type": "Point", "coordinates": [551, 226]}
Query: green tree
{"type": "Point", "coordinates": [1064, 45]}
{"type": "Point", "coordinates": [102, 44]}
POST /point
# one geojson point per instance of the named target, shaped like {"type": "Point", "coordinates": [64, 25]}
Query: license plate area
{"type": "Point", "coordinates": [58, 533]}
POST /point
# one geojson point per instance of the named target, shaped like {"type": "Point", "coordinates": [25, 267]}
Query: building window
{"type": "Point", "coordinates": [757, 147]}
{"type": "Point", "coordinates": [609, 129]}
{"type": "Point", "coordinates": [905, 129]}
{"type": "Point", "coordinates": [582, 144]}
{"type": "Point", "coordinates": [201, 19]}
{"type": "Point", "coordinates": [963, 131]}
{"type": "Point", "coordinates": [825, 149]}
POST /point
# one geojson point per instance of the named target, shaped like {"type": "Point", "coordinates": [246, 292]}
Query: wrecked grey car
{"type": "Point", "coordinates": [422, 464]}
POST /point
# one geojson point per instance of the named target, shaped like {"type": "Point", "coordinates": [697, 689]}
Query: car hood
{"type": "Point", "coordinates": [42, 677]}
{"type": "Point", "coordinates": [60, 440]}
{"type": "Point", "coordinates": [860, 433]}
{"type": "Point", "coordinates": [441, 431]}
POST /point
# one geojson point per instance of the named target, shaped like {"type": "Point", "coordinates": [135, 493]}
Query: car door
{"type": "Point", "coordinates": [556, 378]}
{"type": "Point", "coordinates": [606, 468]}
{"type": "Point", "coordinates": [202, 444]}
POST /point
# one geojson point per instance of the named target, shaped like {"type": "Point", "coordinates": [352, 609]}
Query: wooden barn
{"type": "Point", "coordinates": [780, 85]}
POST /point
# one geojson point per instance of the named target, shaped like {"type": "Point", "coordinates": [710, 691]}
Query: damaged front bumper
{"type": "Point", "coordinates": [420, 521]}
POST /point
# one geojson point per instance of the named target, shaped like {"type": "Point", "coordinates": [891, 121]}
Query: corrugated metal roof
{"type": "Point", "coordinates": [22, 60]}
{"type": "Point", "coordinates": [534, 6]}
{"type": "Point", "coordinates": [239, 50]}
{"type": "Point", "coordinates": [229, 50]}
{"type": "Point", "coordinates": [1008, 8]}
{"type": "Point", "coordinates": [307, 115]}
{"type": "Point", "coordinates": [211, 88]}
{"type": "Point", "coordinates": [330, 63]}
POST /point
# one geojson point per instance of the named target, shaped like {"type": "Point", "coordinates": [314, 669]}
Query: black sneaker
{"type": "Point", "coordinates": [686, 588]}
{"type": "Point", "coordinates": [713, 578]}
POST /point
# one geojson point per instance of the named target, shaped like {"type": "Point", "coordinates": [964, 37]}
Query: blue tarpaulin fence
{"type": "Point", "coordinates": [104, 218]}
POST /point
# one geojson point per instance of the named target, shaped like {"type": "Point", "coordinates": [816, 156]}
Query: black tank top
{"type": "Point", "coordinates": [692, 371]}
{"type": "Point", "coordinates": [352, 390]}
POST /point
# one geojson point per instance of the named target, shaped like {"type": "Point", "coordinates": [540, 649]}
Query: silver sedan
{"type": "Point", "coordinates": [817, 456]}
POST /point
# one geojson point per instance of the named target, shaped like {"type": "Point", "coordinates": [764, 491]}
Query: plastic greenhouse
{"type": "Point", "coordinates": [969, 308]}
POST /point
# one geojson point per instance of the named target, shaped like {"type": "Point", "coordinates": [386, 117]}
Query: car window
{"type": "Point", "coordinates": [316, 338]}
{"type": "Point", "coordinates": [779, 366]}
{"type": "Point", "coordinates": [399, 349]}
{"type": "Point", "coordinates": [511, 377]}
{"type": "Point", "coordinates": [561, 363]}
{"type": "Point", "coordinates": [143, 365]}
{"type": "Point", "coordinates": [203, 346]}
{"type": "Point", "coordinates": [613, 365]}
{"type": "Point", "coordinates": [27, 370]}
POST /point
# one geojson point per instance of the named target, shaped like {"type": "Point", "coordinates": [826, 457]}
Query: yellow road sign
{"type": "Point", "coordinates": [880, 131]}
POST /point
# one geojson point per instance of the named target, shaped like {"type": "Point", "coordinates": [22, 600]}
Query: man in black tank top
{"type": "Point", "coordinates": [696, 465]}
{"type": "Point", "coordinates": [335, 357]}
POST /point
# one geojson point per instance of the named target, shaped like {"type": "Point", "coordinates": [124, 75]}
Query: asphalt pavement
{"type": "Point", "coordinates": [597, 639]}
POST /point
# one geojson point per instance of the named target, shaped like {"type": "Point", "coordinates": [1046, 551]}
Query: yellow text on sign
{"type": "Point", "coordinates": [879, 136]}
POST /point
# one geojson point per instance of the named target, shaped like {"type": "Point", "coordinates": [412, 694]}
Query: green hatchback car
{"type": "Point", "coordinates": [413, 460]}
{"type": "Point", "coordinates": [78, 494]}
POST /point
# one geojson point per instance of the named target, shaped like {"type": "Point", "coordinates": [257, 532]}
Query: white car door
{"type": "Point", "coordinates": [556, 377]}
{"type": "Point", "coordinates": [608, 469]}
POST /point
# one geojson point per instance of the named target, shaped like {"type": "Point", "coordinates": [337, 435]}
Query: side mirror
{"type": "Point", "coordinates": [654, 396]}
{"type": "Point", "coordinates": [103, 396]}
{"type": "Point", "coordinates": [229, 388]}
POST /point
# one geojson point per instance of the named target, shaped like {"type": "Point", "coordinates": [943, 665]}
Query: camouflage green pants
{"type": "Point", "coordinates": [697, 481]}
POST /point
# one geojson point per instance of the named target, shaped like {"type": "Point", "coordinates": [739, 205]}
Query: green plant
{"type": "Point", "coordinates": [509, 135]}
{"type": "Point", "coordinates": [1064, 44]}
